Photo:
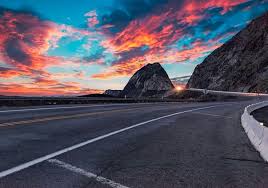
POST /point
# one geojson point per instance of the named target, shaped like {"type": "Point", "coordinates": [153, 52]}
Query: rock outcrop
{"type": "Point", "coordinates": [241, 64]}
{"type": "Point", "coordinates": [150, 81]}
{"type": "Point", "coordinates": [112, 92]}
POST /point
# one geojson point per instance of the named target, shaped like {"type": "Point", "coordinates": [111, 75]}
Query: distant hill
{"type": "Point", "coordinates": [96, 95]}
{"type": "Point", "coordinates": [150, 81]}
{"type": "Point", "coordinates": [112, 92]}
{"type": "Point", "coordinates": [241, 64]}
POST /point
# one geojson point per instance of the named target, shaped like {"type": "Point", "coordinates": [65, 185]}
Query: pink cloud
{"type": "Point", "coordinates": [92, 19]}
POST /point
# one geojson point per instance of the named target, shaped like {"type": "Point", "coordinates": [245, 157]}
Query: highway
{"type": "Point", "coordinates": [128, 145]}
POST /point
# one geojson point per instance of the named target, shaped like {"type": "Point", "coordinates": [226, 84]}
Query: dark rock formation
{"type": "Point", "coordinates": [241, 64]}
{"type": "Point", "coordinates": [97, 95]}
{"type": "Point", "coordinates": [111, 92]}
{"type": "Point", "coordinates": [150, 81]}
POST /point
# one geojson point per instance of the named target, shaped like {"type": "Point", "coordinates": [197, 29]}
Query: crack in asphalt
{"type": "Point", "coordinates": [245, 160]}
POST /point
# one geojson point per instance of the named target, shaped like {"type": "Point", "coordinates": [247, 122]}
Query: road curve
{"type": "Point", "coordinates": [128, 145]}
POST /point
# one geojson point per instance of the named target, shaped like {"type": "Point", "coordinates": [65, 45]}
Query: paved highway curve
{"type": "Point", "coordinates": [128, 145]}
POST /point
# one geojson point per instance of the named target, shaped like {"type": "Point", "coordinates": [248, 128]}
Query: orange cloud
{"type": "Point", "coordinates": [128, 67]}
{"type": "Point", "coordinates": [156, 32]}
{"type": "Point", "coordinates": [193, 10]}
{"type": "Point", "coordinates": [193, 5]}
{"type": "Point", "coordinates": [44, 90]}
{"type": "Point", "coordinates": [24, 40]}
{"type": "Point", "coordinates": [8, 73]}
{"type": "Point", "coordinates": [144, 32]}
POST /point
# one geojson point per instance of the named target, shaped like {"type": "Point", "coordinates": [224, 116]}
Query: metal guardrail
{"type": "Point", "coordinates": [29, 101]}
{"type": "Point", "coordinates": [205, 91]}
{"type": "Point", "coordinates": [229, 93]}
{"type": "Point", "coordinates": [14, 101]}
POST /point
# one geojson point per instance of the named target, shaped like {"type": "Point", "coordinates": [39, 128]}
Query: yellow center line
{"type": "Point", "coordinates": [61, 117]}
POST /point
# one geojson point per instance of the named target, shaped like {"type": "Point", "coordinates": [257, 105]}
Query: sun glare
{"type": "Point", "coordinates": [179, 88]}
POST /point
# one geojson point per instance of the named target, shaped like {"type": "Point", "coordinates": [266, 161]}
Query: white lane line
{"type": "Point", "coordinates": [57, 153]}
{"type": "Point", "coordinates": [64, 107]}
{"type": "Point", "coordinates": [81, 171]}
{"type": "Point", "coordinates": [209, 114]}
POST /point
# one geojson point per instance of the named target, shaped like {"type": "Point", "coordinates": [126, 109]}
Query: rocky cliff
{"type": "Point", "coordinates": [150, 80]}
{"type": "Point", "coordinates": [241, 64]}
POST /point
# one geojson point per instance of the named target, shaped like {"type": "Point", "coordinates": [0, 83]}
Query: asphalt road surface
{"type": "Point", "coordinates": [128, 145]}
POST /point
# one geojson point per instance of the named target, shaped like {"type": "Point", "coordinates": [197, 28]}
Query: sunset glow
{"type": "Point", "coordinates": [180, 88]}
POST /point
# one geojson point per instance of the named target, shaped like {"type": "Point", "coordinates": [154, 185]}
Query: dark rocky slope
{"type": "Point", "coordinates": [241, 64]}
{"type": "Point", "coordinates": [150, 81]}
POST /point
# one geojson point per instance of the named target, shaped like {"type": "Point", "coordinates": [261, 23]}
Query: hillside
{"type": "Point", "coordinates": [241, 64]}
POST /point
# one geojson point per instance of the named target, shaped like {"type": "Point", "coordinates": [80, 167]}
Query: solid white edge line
{"type": "Point", "coordinates": [82, 172]}
{"type": "Point", "coordinates": [57, 153]}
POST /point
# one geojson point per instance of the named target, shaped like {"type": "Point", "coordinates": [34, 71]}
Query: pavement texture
{"type": "Point", "coordinates": [203, 145]}
{"type": "Point", "coordinates": [261, 115]}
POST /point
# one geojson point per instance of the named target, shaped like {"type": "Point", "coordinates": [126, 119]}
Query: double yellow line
{"type": "Point", "coordinates": [61, 117]}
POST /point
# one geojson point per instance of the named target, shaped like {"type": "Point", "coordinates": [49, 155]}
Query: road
{"type": "Point", "coordinates": [128, 145]}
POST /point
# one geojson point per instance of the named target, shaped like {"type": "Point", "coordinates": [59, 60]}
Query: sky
{"type": "Point", "coordinates": [75, 47]}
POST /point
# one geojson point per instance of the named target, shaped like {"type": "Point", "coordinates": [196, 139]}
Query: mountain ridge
{"type": "Point", "coordinates": [241, 64]}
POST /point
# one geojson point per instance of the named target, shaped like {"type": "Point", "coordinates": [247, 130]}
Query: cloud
{"type": "Point", "coordinates": [8, 72]}
{"type": "Point", "coordinates": [192, 6]}
{"type": "Point", "coordinates": [159, 32]}
{"type": "Point", "coordinates": [128, 10]}
{"type": "Point", "coordinates": [129, 66]}
{"type": "Point", "coordinates": [132, 34]}
{"type": "Point", "coordinates": [153, 31]}
{"type": "Point", "coordinates": [32, 90]}
{"type": "Point", "coordinates": [92, 19]}
{"type": "Point", "coordinates": [24, 39]}
{"type": "Point", "coordinates": [47, 85]}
